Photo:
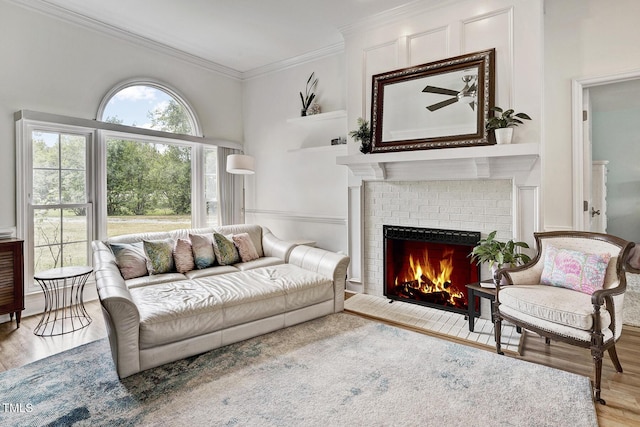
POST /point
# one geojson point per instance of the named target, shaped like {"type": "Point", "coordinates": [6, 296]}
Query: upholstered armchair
{"type": "Point", "coordinates": [571, 291]}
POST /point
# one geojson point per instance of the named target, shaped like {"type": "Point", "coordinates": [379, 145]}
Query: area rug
{"type": "Point", "coordinates": [337, 370]}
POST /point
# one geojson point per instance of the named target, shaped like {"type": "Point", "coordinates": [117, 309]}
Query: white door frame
{"type": "Point", "coordinates": [577, 86]}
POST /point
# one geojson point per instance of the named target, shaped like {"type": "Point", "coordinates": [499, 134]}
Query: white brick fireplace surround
{"type": "Point", "coordinates": [472, 188]}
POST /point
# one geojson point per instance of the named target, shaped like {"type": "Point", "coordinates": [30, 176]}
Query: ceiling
{"type": "Point", "coordinates": [242, 35]}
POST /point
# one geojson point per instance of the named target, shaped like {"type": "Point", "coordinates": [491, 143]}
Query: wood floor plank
{"type": "Point", "coordinates": [621, 391]}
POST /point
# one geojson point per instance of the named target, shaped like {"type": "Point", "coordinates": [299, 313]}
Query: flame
{"type": "Point", "coordinates": [427, 278]}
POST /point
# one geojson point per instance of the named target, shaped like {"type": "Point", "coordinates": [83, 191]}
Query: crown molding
{"type": "Point", "coordinates": [314, 55]}
{"type": "Point", "coordinates": [44, 7]}
{"type": "Point", "coordinates": [392, 15]}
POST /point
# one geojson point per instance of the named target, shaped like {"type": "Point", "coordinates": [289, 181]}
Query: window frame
{"type": "Point", "coordinates": [24, 185]}
{"type": "Point", "coordinates": [27, 120]}
{"type": "Point", "coordinates": [196, 130]}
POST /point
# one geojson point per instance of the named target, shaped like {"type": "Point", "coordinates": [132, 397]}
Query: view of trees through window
{"type": "Point", "coordinates": [148, 183]}
{"type": "Point", "coordinates": [59, 200]}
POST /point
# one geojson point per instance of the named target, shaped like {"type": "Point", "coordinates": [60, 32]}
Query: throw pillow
{"type": "Point", "coordinates": [582, 272]}
{"type": "Point", "coordinates": [225, 250]}
{"type": "Point", "coordinates": [246, 248]}
{"type": "Point", "coordinates": [183, 256]}
{"type": "Point", "coordinates": [130, 259]}
{"type": "Point", "coordinates": [159, 255]}
{"type": "Point", "coordinates": [203, 254]}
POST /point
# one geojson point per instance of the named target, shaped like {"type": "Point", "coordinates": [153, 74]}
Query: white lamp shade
{"type": "Point", "coordinates": [240, 164]}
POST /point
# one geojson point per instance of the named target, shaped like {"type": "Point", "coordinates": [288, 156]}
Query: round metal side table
{"type": "Point", "coordinates": [63, 300]}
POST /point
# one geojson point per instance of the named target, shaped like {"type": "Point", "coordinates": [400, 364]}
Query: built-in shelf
{"type": "Point", "coordinates": [317, 117]}
{"type": "Point", "coordinates": [337, 148]}
{"type": "Point", "coordinates": [492, 161]}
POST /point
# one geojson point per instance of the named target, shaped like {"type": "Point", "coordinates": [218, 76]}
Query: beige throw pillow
{"type": "Point", "coordinates": [183, 256]}
{"type": "Point", "coordinates": [246, 248]}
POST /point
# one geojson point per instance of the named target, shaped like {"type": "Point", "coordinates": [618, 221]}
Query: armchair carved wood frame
{"type": "Point", "coordinates": [588, 321]}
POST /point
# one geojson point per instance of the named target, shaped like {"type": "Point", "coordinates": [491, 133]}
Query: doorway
{"type": "Point", "coordinates": [606, 153]}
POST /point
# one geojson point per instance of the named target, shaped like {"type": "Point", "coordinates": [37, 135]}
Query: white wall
{"type": "Point", "coordinates": [298, 191]}
{"type": "Point", "coordinates": [53, 66]}
{"type": "Point", "coordinates": [583, 39]}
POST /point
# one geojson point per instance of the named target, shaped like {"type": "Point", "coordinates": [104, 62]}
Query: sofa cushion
{"type": "Point", "coordinates": [131, 259]}
{"type": "Point", "coordinates": [225, 250]}
{"type": "Point", "coordinates": [175, 311]}
{"type": "Point", "coordinates": [580, 271]}
{"type": "Point", "coordinates": [246, 249]}
{"type": "Point", "coordinates": [557, 305]}
{"type": "Point", "coordinates": [159, 255]}
{"type": "Point", "coordinates": [203, 254]}
{"type": "Point", "coordinates": [183, 256]}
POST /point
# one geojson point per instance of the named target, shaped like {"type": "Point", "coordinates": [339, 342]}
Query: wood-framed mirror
{"type": "Point", "coordinates": [441, 104]}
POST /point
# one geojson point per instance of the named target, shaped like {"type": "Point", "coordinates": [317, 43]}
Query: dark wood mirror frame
{"type": "Point", "coordinates": [418, 119]}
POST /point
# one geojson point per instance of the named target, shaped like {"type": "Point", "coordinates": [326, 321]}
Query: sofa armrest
{"type": "Point", "coordinates": [121, 315]}
{"type": "Point", "coordinates": [274, 246]}
{"type": "Point", "coordinates": [326, 263]}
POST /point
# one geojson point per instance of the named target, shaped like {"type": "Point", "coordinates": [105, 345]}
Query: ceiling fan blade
{"type": "Point", "coordinates": [439, 105]}
{"type": "Point", "coordinates": [441, 91]}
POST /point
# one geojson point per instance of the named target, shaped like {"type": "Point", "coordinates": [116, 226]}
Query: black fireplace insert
{"type": "Point", "coordinates": [429, 266]}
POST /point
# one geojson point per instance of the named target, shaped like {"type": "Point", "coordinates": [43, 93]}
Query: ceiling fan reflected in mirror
{"type": "Point", "coordinates": [467, 94]}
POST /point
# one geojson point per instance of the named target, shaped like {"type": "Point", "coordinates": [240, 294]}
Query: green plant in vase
{"type": "Point", "coordinates": [498, 254]}
{"type": "Point", "coordinates": [503, 122]}
{"type": "Point", "coordinates": [362, 135]}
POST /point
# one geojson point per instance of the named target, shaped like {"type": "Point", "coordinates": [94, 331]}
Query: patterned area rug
{"type": "Point", "coordinates": [337, 370]}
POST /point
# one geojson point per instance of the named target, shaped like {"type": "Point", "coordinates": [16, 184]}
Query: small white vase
{"type": "Point", "coordinates": [504, 135]}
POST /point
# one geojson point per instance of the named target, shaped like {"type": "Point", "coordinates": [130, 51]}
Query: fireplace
{"type": "Point", "coordinates": [429, 266]}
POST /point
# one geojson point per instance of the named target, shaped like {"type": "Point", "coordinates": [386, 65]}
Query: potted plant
{"type": "Point", "coordinates": [363, 135]}
{"type": "Point", "coordinates": [503, 122]}
{"type": "Point", "coordinates": [308, 96]}
{"type": "Point", "coordinates": [498, 254]}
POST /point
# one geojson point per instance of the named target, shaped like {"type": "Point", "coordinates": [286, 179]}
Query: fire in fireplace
{"type": "Point", "coordinates": [429, 266]}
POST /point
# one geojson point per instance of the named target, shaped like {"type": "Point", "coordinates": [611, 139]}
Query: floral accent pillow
{"type": "Point", "coordinates": [159, 255]}
{"type": "Point", "coordinates": [225, 250]}
{"type": "Point", "coordinates": [203, 254]}
{"type": "Point", "coordinates": [246, 248]}
{"type": "Point", "coordinates": [131, 259]}
{"type": "Point", "coordinates": [582, 272]}
{"type": "Point", "coordinates": [183, 256]}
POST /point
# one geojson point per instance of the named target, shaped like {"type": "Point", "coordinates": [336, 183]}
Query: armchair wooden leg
{"type": "Point", "coordinates": [597, 360]}
{"type": "Point", "coordinates": [497, 328]}
{"type": "Point", "coordinates": [613, 354]}
{"type": "Point", "coordinates": [547, 341]}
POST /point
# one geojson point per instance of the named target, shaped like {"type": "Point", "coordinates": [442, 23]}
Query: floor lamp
{"type": "Point", "coordinates": [241, 164]}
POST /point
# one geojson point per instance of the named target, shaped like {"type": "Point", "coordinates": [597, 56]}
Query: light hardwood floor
{"type": "Point", "coordinates": [621, 391]}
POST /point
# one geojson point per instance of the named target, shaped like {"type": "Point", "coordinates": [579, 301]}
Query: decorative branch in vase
{"type": "Point", "coordinates": [309, 95]}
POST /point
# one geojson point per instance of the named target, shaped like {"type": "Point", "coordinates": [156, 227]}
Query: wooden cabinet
{"type": "Point", "coordinates": [11, 278]}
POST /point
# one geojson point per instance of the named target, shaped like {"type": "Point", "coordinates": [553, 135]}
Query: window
{"type": "Point", "coordinates": [149, 185]}
{"type": "Point", "coordinates": [59, 212]}
{"type": "Point", "coordinates": [80, 180]}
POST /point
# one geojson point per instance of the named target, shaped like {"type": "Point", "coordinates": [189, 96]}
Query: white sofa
{"type": "Point", "coordinates": [159, 318]}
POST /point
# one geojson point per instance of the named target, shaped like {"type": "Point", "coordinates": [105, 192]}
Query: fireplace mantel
{"type": "Point", "coordinates": [493, 161]}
